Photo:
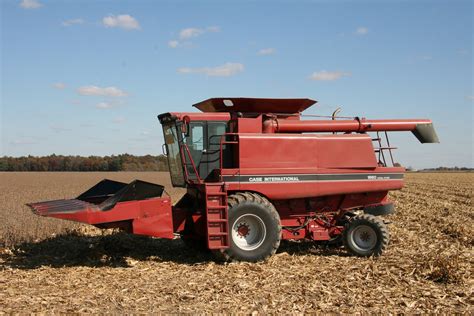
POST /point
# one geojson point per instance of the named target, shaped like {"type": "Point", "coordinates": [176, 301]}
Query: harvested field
{"type": "Point", "coordinates": [49, 265]}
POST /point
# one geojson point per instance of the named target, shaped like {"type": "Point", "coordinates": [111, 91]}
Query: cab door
{"type": "Point", "coordinates": [211, 154]}
{"type": "Point", "coordinates": [204, 145]}
{"type": "Point", "coordinates": [196, 142]}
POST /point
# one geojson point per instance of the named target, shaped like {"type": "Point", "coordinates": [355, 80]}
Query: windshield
{"type": "Point", "coordinates": [174, 158]}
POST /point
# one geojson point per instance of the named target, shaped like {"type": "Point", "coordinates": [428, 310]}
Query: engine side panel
{"type": "Point", "coordinates": [306, 151]}
{"type": "Point", "coordinates": [303, 165]}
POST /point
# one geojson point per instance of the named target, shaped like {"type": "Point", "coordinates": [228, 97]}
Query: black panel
{"type": "Point", "coordinates": [136, 190]}
{"type": "Point", "coordinates": [101, 191]}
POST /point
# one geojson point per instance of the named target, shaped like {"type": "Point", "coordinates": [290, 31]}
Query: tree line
{"type": "Point", "coordinates": [441, 169]}
{"type": "Point", "coordinates": [124, 162]}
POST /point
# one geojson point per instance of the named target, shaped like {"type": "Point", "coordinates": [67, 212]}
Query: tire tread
{"type": "Point", "coordinates": [383, 244]}
{"type": "Point", "coordinates": [251, 197]}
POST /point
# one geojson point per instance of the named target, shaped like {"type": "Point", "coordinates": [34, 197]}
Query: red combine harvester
{"type": "Point", "coordinates": [256, 173]}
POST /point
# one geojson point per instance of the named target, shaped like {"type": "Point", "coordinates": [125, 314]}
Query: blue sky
{"type": "Point", "coordinates": [90, 77]}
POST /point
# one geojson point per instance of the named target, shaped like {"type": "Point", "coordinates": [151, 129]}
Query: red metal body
{"type": "Point", "coordinates": [152, 217]}
{"type": "Point", "coordinates": [312, 171]}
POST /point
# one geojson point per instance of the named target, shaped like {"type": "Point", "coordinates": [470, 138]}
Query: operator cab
{"type": "Point", "coordinates": [192, 142]}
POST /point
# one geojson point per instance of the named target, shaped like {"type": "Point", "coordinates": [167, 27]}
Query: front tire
{"type": "Point", "coordinates": [255, 229]}
{"type": "Point", "coordinates": [366, 235]}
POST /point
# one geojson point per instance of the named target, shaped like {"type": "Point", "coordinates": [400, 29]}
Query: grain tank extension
{"type": "Point", "coordinates": [256, 172]}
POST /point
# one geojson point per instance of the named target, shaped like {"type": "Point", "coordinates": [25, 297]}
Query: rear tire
{"type": "Point", "coordinates": [366, 235]}
{"type": "Point", "coordinates": [254, 228]}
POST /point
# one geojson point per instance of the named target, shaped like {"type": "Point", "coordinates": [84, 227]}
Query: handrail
{"type": "Point", "coordinates": [381, 149]}
{"type": "Point", "coordinates": [390, 149]}
{"type": "Point", "coordinates": [221, 151]}
{"type": "Point", "coordinates": [188, 152]}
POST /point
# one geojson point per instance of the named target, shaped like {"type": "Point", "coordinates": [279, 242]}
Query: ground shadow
{"type": "Point", "coordinates": [114, 250]}
{"type": "Point", "coordinates": [119, 249]}
{"type": "Point", "coordinates": [311, 248]}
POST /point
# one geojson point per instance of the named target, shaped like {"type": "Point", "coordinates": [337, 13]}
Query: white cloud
{"type": "Point", "coordinates": [470, 97]}
{"type": "Point", "coordinates": [104, 105]}
{"type": "Point", "coordinates": [226, 70]}
{"type": "Point", "coordinates": [362, 30]}
{"type": "Point", "coordinates": [98, 91]}
{"type": "Point", "coordinates": [123, 21]}
{"type": "Point", "coordinates": [72, 22]}
{"type": "Point", "coordinates": [173, 44]}
{"type": "Point", "coordinates": [59, 85]}
{"type": "Point", "coordinates": [266, 51]}
{"type": "Point", "coordinates": [329, 75]}
{"type": "Point", "coordinates": [30, 4]}
{"type": "Point", "coordinates": [191, 32]}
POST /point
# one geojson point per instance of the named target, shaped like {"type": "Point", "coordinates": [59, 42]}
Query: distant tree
{"type": "Point", "coordinates": [78, 163]}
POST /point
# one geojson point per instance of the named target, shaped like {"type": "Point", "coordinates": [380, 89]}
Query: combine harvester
{"type": "Point", "coordinates": [256, 173]}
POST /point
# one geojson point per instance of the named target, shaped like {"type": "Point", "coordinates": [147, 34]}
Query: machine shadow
{"type": "Point", "coordinates": [116, 250]}
{"type": "Point", "coordinates": [119, 250]}
{"type": "Point", "coordinates": [311, 248]}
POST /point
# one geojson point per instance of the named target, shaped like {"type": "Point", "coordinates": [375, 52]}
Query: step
{"type": "Point", "coordinates": [217, 221]}
{"type": "Point", "coordinates": [216, 207]}
{"type": "Point", "coordinates": [217, 234]}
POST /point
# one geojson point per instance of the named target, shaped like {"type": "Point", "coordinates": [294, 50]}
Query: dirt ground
{"type": "Point", "coordinates": [48, 265]}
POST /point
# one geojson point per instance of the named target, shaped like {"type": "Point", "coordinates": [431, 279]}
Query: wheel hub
{"type": "Point", "coordinates": [243, 230]}
{"type": "Point", "coordinates": [364, 237]}
{"type": "Point", "coordinates": [248, 232]}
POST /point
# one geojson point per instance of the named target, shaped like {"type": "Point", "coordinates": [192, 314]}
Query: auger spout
{"type": "Point", "coordinates": [422, 128]}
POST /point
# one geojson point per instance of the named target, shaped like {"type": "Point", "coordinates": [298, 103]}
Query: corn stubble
{"type": "Point", "coordinates": [48, 265]}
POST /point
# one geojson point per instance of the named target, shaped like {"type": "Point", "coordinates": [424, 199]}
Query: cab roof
{"type": "Point", "coordinates": [193, 116]}
{"type": "Point", "coordinates": [255, 105]}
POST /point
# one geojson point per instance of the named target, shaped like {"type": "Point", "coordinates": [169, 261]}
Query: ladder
{"type": "Point", "coordinates": [380, 149]}
{"type": "Point", "coordinates": [217, 220]}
